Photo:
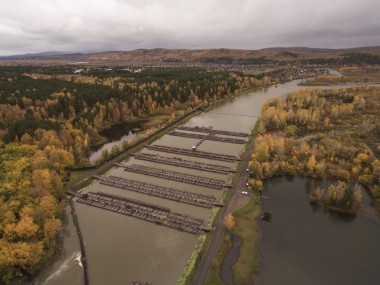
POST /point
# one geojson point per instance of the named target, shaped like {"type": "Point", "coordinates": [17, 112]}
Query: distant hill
{"type": "Point", "coordinates": [33, 55]}
{"type": "Point", "coordinates": [301, 49]}
{"type": "Point", "coordinates": [222, 56]}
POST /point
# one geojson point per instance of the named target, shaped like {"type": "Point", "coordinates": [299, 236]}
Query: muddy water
{"type": "Point", "coordinates": [307, 245]}
{"type": "Point", "coordinates": [120, 248]}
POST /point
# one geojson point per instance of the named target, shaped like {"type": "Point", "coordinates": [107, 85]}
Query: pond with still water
{"type": "Point", "coordinates": [304, 244]}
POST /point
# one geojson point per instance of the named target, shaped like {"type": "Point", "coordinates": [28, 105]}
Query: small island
{"type": "Point", "coordinates": [338, 197]}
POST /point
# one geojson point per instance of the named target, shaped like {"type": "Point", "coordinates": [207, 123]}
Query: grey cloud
{"type": "Point", "coordinates": [85, 25]}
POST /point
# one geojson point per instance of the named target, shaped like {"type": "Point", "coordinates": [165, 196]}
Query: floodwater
{"type": "Point", "coordinates": [121, 249]}
{"type": "Point", "coordinates": [304, 244]}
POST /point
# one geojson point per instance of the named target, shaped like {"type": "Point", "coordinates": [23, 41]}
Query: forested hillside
{"type": "Point", "coordinates": [207, 57]}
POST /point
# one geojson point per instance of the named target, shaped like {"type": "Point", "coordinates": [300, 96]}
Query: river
{"type": "Point", "coordinates": [121, 249]}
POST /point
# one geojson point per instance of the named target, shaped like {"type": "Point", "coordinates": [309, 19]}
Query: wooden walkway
{"type": "Point", "coordinates": [177, 161]}
{"type": "Point", "coordinates": [159, 191]}
{"type": "Point", "coordinates": [208, 137]}
{"type": "Point", "coordinates": [145, 211]}
{"type": "Point", "coordinates": [216, 132]}
{"type": "Point", "coordinates": [195, 153]}
{"type": "Point", "coordinates": [176, 176]}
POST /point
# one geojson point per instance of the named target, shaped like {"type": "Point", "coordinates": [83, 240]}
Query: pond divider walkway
{"type": "Point", "coordinates": [195, 153]}
{"type": "Point", "coordinates": [176, 176]}
{"type": "Point", "coordinates": [145, 211]}
{"type": "Point", "coordinates": [177, 161]}
{"type": "Point", "coordinates": [159, 191]}
{"type": "Point", "coordinates": [209, 137]}
{"type": "Point", "coordinates": [216, 132]}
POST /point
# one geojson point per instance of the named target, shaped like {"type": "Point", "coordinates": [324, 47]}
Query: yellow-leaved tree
{"type": "Point", "coordinates": [229, 221]}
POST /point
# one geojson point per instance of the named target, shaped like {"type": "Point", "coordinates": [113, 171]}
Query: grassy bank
{"type": "Point", "coordinates": [193, 261]}
{"type": "Point", "coordinates": [246, 227]}
{"type": "Point", "coordinates": [214, 275]}
{"type": "Point", "coordinates": [248, 261]}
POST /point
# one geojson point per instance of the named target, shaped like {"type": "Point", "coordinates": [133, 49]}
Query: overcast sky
{"type": "Point", "coordinates": [100, 25]}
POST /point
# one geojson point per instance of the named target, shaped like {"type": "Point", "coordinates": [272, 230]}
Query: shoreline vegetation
{"type": "Point", "coordinates": [339, 198]}
{"type": "Point", "coordinates": [316, 133]}
{"type": "Point", "coordinates": [321, 133]}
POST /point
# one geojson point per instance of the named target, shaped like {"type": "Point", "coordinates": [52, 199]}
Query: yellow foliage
{"type": "Point", "coordinates": [26, 139]}
{"type": "Point", "coordinates": [26, 228]}
{"type": "Point", "coordinates": [20, 255]}
{"type": "Point", "coordinates": [51, 227]}
{"type": "Point", "coordinates": [41, 179]}
{"type": "Point", "coordinates": [311, 163]}
{"type": "Point", "coordinates": [48, 206]}
{"type": "Point", "coordinates": [229, 221]}
{"type": "Point", "coordinates": [362, 158]}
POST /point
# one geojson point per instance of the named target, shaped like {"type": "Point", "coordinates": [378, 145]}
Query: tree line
{"type": "Point", "coordinates": [320, 133]}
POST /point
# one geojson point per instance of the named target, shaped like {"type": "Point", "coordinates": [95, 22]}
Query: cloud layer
{"type": "Point", "coordinates": [99, 25]}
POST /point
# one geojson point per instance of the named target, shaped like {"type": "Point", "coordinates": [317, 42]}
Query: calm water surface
{"type": "Point", "coordinates": [116, 136]}
{"type": "Point", "coordinates": [307, 245]}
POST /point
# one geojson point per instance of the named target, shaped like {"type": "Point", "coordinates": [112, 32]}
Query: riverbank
{"type": "Point", "coordinates": [83, 258]}
{"type": "Point", "coordinates": [214, 277]}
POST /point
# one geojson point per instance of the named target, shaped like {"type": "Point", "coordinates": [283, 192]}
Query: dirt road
{"type": "Point", "coordinates": [237, 200]}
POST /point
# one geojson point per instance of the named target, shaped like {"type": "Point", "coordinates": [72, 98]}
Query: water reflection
{"type": "Point", "coordinates": [116, 135]}
{"type": "Point", "coordinates": [304, 244]}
